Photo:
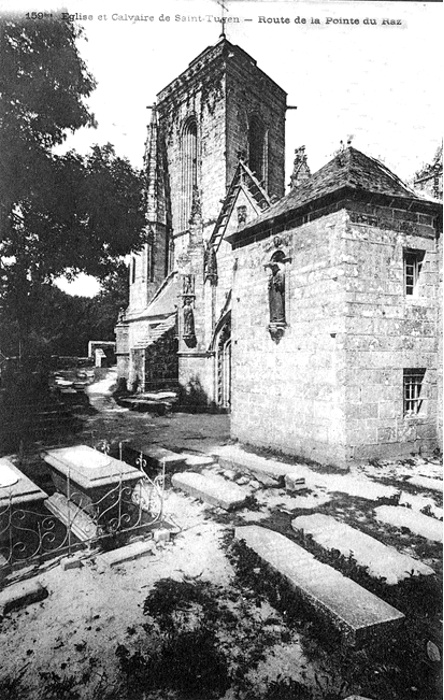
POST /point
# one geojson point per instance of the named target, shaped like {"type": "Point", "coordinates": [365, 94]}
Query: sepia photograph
{"type": "Point", "coordinates": [221, 350]}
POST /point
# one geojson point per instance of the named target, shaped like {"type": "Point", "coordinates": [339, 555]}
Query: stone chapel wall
{"type": "Point", "coordinates": [289, 395]}
{"type": "Point", "coordinates": [333, 388]}
{"type": "Point", "coordinates": [389, 331]}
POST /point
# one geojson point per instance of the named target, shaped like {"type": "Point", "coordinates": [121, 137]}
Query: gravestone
{"type": "Point", "coordinates": [356, 612]}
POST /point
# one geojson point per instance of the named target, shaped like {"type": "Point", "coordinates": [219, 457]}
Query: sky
{"type": "Point", "coordinates": [379, 82]}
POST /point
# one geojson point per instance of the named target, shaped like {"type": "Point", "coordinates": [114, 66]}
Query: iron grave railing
{"type": "Point", "coordinates": [69, 521]}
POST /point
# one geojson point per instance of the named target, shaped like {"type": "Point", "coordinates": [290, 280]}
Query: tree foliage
{"type": "Point", "coordinates": [60, 214]}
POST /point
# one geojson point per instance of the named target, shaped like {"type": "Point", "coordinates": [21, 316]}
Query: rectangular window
{"type": "Point", "coordinates": [133, 270]}
{"type": "Point", "coordinates": [413, 391]}
{"type": "Point", "coordinates": [413, 260]}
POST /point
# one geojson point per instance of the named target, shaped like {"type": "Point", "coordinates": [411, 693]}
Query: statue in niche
{"type": "Point", "coordinates": [276, 293]}
{"type": "Point", "coordinates": [210, 263]}
{"type": "Point", "coordinates": [189, 333]}
{"type": "Point", "coordinates": [241, 215]}
{"type": "Point", "coordinates": [188, 284]}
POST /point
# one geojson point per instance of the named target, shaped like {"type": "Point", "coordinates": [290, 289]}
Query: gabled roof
{"type": "Point", "coordinates": [349, 170]}
{"type": "Point", "coordinates": [245, 181]}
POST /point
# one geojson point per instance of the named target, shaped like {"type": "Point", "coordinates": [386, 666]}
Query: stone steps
{"type": "Point", "coordinates": [211, 489]}
{"type": "Point", "coordinates": [418, 523]}
{"type": "Point", "coordinates": [357, 613]}
{"type": "Point", "coordinates": [381, 560]}
{"type": "Point", "coordinates": [81, 525]}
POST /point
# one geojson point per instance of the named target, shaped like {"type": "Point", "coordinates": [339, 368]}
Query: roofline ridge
{"type": "Point", "coordinates": [387, 170]}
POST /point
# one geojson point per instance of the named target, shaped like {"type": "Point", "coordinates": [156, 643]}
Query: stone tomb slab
{"type": "Point", "coordinates": [193, 461]}
{"type": "Point", "coordinates": [426, 482]}
{"type": "Point", "coordinates": [418, 523]}
{"type": "Point", "coordinates": [232, 458]}
{"type": "Point", "coordinates": [381, 560]}
{"type": "Point", "coordinates": [213, 490]}
{"type": "Point", "coordinates": [21, 502]}
{"type": "Point", "coordinates": [90, 468]}
{"type": "Point", "coordinates": [356, 612]}
{"type": "Point", "coordinates": [20, 595]}
{"type": "Point", "coordinates": [16, 488]}
{"type": "Point", "coordinates": [158, 457]}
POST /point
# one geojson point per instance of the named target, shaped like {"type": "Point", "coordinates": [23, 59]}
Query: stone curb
{"type": "Point", "coordinates": [19, 595]}
{"type": "Point", "coordinates": [128, 553]}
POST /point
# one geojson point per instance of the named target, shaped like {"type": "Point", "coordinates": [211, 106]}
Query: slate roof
{"type": "Point", "coordinates": [351, 170]}
{"type": "Point", "coordinates": [164, 301]}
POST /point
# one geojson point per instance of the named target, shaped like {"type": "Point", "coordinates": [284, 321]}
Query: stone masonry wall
{"type": "Point", "coordinates": [147, 281]}
{"type": "Point", "coordinates": [388, 331]}
{"type": "Point", "coordinates": [332, 388]}
{"type": "Point", "coordinates": [138, 281]}
{"type": "Point", "coordinates": [290, 395]}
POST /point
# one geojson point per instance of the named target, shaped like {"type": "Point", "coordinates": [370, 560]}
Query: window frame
{"type": "Point", "coordinates": [413, 391]}
{"type": "Point", "coordinates": [413, 259]}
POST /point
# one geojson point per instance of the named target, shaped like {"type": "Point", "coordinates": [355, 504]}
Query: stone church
{"type": "Point", "coordinates": [313, 317]}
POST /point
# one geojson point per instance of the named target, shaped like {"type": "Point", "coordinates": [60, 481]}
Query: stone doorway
{"type": "Point", "coordinates": [223, 359]}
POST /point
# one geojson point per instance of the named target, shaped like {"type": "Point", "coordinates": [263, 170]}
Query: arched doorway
{"type": "Point", "coordinates": [223, 364]}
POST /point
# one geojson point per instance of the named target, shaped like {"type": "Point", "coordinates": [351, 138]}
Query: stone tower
{"type": "Point", "coordinates": [222, 110]}
{"type": "Point", "coordinates": [222, 106]}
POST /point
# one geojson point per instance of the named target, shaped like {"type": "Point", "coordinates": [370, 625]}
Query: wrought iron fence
{"type": "Point", "coordinates": [29, 535]}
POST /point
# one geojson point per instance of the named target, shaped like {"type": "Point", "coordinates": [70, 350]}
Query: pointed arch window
{"type": "Point", "coordinates": [189, 168]}
{"type": "Point", "coordinates": [256, 148]}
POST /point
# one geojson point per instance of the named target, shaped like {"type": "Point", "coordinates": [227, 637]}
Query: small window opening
{"type": "Point", "coordinates": [413, 391]}
{"type": "Point", "coordinates": [413, 260]}
{"type": "Point", "coordinates": [133, 270]}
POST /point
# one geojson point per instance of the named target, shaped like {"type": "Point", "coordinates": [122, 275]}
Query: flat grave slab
{"type": "Point", "coordinates": [427, 482]}
{"type": "Point", "coordinates": [213, 490]}
{"type": "Point", "coordinates": [418, 523]}
{"type": "Point", "coordinates": [231, 457]}
{"type": "Point", "coordinates": [381, 560]}
{"type": "Point", "coordinates": [198, 460]}
{"type": "Point", "coordinates": [356, 612]}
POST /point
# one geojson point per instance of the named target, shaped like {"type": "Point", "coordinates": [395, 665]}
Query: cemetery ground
{"type": "Point", "coordinates": [201, 616]}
